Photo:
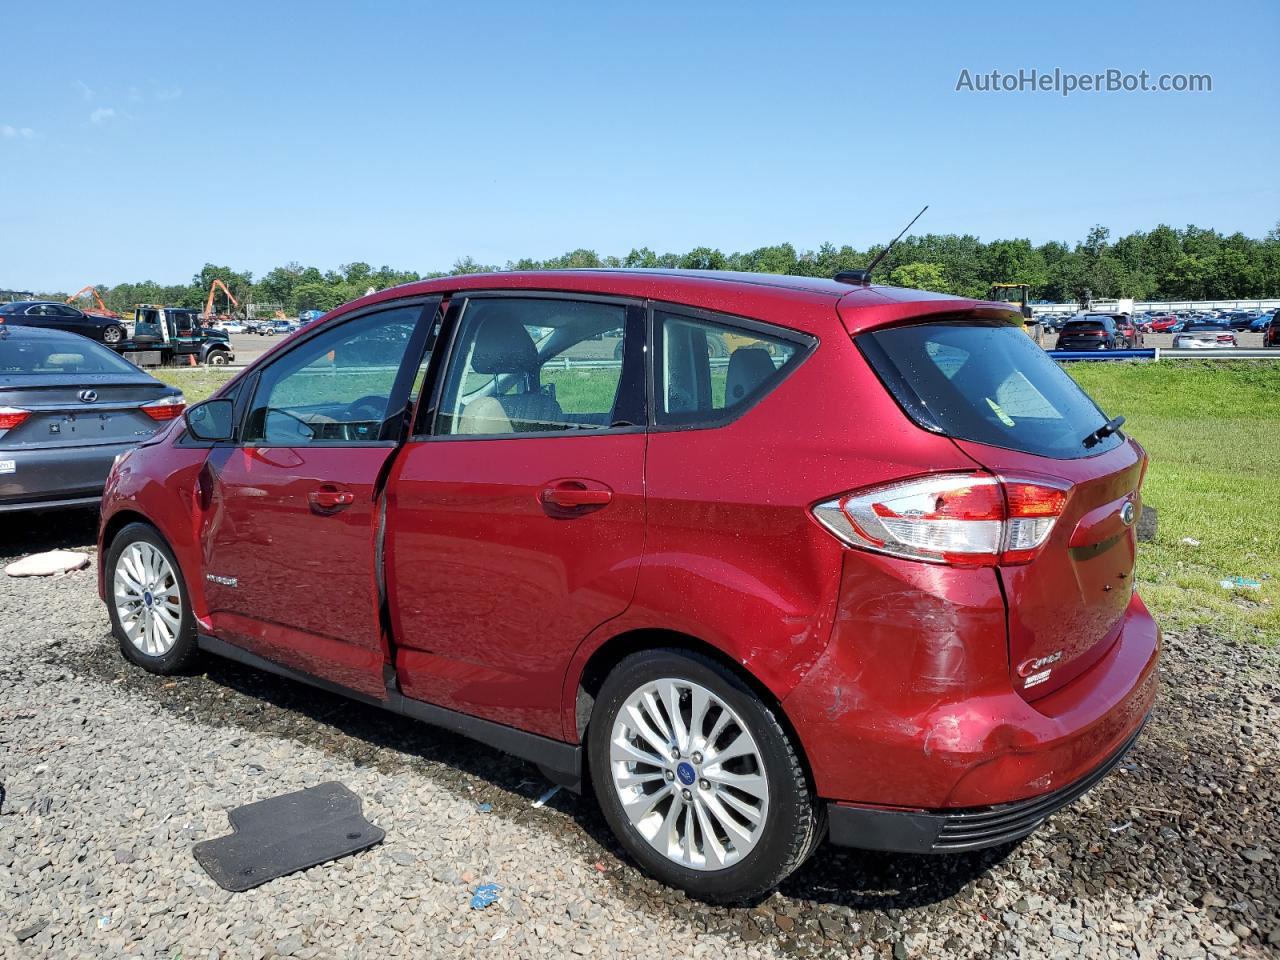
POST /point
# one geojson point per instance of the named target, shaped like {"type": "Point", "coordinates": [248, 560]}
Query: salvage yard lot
{"type": "Point", "coordinates": [111, 774]}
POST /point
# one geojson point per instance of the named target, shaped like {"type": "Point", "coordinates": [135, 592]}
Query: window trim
{"type": "Point", "coordinates": [805, 343]}
{"type": "Point", "coordinates": [634, 325]}
{"type": "Point", "coordinates": [391, 432]}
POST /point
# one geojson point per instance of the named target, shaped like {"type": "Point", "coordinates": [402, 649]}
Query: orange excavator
{"type": "Point", "coordinates": [209, 316]}
{"type": "Point", "coordinates": [102, 310]}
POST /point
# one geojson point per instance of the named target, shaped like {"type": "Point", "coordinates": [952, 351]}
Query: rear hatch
{"type": "Point", "coordinates": [1083, 333]}
{"type": "Point", "coordinates": [1017, 415]}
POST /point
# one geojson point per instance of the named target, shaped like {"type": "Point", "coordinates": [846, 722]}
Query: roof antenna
{"type": "Point", "coordinates": [863, 277]}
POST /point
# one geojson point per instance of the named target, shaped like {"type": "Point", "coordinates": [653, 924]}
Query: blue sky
{"type": "Point", "coordinates": [138, 141]}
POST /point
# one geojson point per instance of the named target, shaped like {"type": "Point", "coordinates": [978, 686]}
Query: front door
{"type": "Point", "coordinates": [516, 519]}
{"type": "Point", "coordinates": [290, 534]}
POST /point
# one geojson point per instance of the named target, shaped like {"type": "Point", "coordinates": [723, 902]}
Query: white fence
{"type": "Point", "coordinates": [1159, 306]}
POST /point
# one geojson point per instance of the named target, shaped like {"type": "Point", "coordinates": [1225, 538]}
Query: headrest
{"type": "Point", "coordinates": [503, 346]}
{"type": "Point", "coordinates": [748, 368]}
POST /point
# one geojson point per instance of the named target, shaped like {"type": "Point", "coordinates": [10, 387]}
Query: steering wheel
{"type": "Point", "coordinates": [372, 407]}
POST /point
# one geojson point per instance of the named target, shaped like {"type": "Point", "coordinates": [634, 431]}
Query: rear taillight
{"type": "Point", "coordinates": [10, 417]}
{"type": "Point", "coordinates": [963, 519]}
{"type": "Point", "coordinates": [166, 408]}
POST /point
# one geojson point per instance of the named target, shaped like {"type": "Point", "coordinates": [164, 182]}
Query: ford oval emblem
{"type": "Point", "coordinates": [1127, 513]}
{"type": "Point", "coordinates": [88, 396]}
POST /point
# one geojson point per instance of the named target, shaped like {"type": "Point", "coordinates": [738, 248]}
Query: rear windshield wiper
{"type": "Point", "coordinates": [1104, 431]}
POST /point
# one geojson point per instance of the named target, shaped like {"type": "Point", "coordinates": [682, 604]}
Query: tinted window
{"type": "Point", "coordinates": [34, 357]}
{"type": "Point", "coordinates": [1077, 326]}
{"type": "Point", "coordinates": [989, 384]}
{"type": "Point", "coordinates": [334, 388]}
{"type": "Point", "coordinates": [533, 366]}
{"type": "Point", "coordinates": [707, 371]}
{"type": "Point", "coordinates": [10, 308]}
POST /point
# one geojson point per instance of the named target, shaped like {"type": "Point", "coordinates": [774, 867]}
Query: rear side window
{"type": "Point", "coordinates": [986, 383]}
{"type": "Point", "coordinates": [708, 371]}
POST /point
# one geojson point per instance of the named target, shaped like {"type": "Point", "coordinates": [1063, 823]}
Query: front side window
{"type": "Point", "coordinates": [708, 371]}
{"type": "Point", "coordinates": [333, 388]}
{"type": "Point", "coordinates": [534, 366]}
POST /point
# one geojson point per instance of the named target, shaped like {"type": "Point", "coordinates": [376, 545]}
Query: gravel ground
{"type": "Point", "coordinates": [109, 775]}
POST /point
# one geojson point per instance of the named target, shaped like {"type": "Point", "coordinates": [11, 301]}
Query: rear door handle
{"type": "Point", "coordinates": [575, 495]}
{"type": "Point", "coordinates": [329, 497]}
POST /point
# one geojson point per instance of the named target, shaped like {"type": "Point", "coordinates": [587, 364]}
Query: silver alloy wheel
{"type": "Point", "coordinates": [688, 774]}
{"type": "Point", "coordinates": [148, 598]}
{"type": "Point", "coordinates": [113, 335]}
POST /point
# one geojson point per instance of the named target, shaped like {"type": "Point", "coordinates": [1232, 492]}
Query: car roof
{"type": "Point", "coordinates": [23, 332]}
{"type": "Point", "coordinates": [810, 302]}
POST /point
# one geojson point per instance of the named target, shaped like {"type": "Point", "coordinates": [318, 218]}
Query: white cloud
{"type": "Point", "coordinates": [20, 133]}
{"type": "Point", "coordinates": [168, 93]}
{"type": "Point", "coordinates": [101, 115]}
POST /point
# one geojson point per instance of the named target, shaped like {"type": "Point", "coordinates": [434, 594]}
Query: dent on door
{"type": "Point", "coordinates": [288, 543]}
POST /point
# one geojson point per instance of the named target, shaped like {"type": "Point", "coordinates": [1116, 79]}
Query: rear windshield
{"type": "Point", "coordinates": [986, 383]}
{"type": "Point", "coordinates": [61, 356]}
{"type": "Point", "coordinates": [1075, 325]}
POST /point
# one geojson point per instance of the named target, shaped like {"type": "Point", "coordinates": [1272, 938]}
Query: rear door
{"type": "Point", "coordinates": [291, 530]}
{"type": "Point", "coordinates": [516, 518]}
{"type": "Point", "coordinates": [1011, 409]}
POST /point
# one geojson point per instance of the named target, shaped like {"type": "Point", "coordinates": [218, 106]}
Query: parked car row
{"type": "Point", "coordinates": [1099, 331]}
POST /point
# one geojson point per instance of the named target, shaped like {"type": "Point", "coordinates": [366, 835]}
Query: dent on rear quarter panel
{"type": "Point", "coordinates": [915, 650]}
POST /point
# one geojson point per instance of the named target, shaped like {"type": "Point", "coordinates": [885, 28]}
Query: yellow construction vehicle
{"type": "Point", "coordinates": [1016, 294]}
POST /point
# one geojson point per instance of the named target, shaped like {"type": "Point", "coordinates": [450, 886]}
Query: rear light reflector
{"type": "Point", "coordinates": [10, 417]}
{"type": "Point", "coordinates": [166, 408]}
{"type": "Point", "coordinates": [963, 519]}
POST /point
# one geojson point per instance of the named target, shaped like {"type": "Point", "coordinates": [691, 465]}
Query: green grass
{"type": "Point", "coordinates": [1212, 429]}
{"type": "Point", "coordinates": [196, 383]}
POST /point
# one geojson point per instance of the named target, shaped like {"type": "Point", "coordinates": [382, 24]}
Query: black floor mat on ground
{"type": "Point", "coordinates": [287, 833]}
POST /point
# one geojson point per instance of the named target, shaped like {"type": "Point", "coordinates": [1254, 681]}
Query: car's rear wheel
{"type": "Point", "coordinates": [150, 612]}
{"type": "Point", "coordinates": [698, 778]}
{"type": "Point", "coordinates": [113, 334]}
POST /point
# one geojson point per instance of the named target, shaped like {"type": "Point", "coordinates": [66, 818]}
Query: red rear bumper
{"type": "Point", "coordinates": [913, 709]}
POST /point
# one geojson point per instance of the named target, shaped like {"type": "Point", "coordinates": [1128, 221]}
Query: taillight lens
{"type": "Point", "coordinates": [963, 519]}
{"type": "Point", "coordinates": [10, 417]}
{"type": "Point", "coordinates": [166, 408]}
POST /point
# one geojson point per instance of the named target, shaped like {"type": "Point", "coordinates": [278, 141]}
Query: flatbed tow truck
{"type": "Point", "coordinates": [172, 336]}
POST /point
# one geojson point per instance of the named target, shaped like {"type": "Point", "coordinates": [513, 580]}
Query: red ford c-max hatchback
{"type": "Point", "coordinates": [765, 559]}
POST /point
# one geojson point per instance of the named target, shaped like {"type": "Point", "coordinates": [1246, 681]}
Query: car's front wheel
{"type": "Point", "coordinates": [150, 611]}
{"type": "Point", "coordinates": [698, 778]}
{"type": "Point", "coordinates": [113, 334]}
{"type": "Point", "coordinates": [218, 358]}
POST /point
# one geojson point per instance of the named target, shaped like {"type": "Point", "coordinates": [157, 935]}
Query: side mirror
{"type": "Point", "coordinates": [212, 421]}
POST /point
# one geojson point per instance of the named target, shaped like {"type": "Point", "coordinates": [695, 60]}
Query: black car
{"type": "Point", "coordinates": [62, 316]}
{"type": "Point", "coordinates": [1091, 331]}
{"type": "Point", "coordinates": [67, 408]}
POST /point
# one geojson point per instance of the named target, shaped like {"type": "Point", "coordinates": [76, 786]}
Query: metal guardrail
{"type": "Point", "coordinates": [1152, 353]}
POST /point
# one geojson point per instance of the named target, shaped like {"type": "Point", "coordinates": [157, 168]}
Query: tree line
{"type": "Point", "coordinates": [1162, 264]}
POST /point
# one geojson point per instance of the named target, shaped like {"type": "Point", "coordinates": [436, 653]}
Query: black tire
{"type": "Point", "coordinates": [218, 358]}
{"type": "Point", "coordinates": [793, 825]}
{"type": "Point", "coordinates": [184, 650]}
{"type": "Point", "coordinates": [113, 334]}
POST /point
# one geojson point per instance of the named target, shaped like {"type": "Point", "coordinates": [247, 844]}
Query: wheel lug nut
{"type": "Point", "coordinates": [697, 757]}
{"type": "Point", "coordinates": [675, 754]}
{"type": "Point", "coordinates": [704, 785]}
{"type": "Point", "coordinates": [686, 794]}
{"type": "Point", "coordinates": [668, 774]}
